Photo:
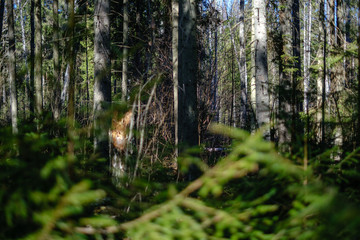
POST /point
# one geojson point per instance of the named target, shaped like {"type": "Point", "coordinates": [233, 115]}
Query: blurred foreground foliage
{"type": "Point", "coordinates": [252, 193]}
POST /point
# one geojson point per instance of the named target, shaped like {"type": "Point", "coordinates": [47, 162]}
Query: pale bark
{"type": "Point", "coordinates": [261, 71]}
{"type": "Point", "coordinates": [175, 62]}
{"type": "Point", "coordinates": [12, 66]}
{"type": "Point", "coordinates": [102, 79]}
{"type": "Point", "coordinates": [243, 71]}
{"type": "Point", "coordinates": [125, 51]}
{"type": "Point", "coordinates": [38, 60]}
{"type": "Point", "coordinates": [56, 82]}
{"type": "Point", "coordinates": [307, 52]}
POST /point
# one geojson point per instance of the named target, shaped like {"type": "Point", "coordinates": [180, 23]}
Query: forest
{"type": "Point", "coordinates": [179, 119]}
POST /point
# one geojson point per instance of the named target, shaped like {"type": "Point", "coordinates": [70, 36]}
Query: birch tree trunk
{"type": "Point", "coordinates": [12, 66]}
{"type": "Point", "coordinates": [125, 51]}
{"type": "Point", "coordinates": [261, 71]}
{"type": "Point", "coordinates": [307, 52]}
{"type": "Point", "coordinates": [102, 80]}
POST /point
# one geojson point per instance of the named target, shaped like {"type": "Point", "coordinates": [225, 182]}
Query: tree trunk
{"type": "Point", "coordinates": [125, 51]}
{"type": "Point", "coordinates": [296, 72]}
{"type": "Point", "coordinates": [24, 55]}
{"type": "Point", "coordinates": [285, 65]}
{"type": "Point", "coordinates": [102, 77]}
{"type": "Point", "coordinates": [12, 66]}
{"type": "Point", "coordinates": [175, 62]}
{"type": "Point", "coordinates": [56, 84]}
{"type": "Point", "coordinates": [71, 59]}
{"type": "Point", "coordinates": [261, 71]}
{"type": "Point", "coordinates": [38, 61]}
{"type": "Point", "coordinates": [243, 71]}
{"type": "Point", "coordinates": [358, 76]}
{"type": "Point", "coordinates": [185, 72]}
{"type": "Point", "coordinates": [307, 53]}
{"type": "Point", "coordinates": [324, 75]}
{"type": "Point", "coordinates": [32, 60]}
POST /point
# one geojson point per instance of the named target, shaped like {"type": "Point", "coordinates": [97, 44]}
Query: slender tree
{"type": "Point", "coordinates": [285, 65]}
{"type": "Point", "coordinates": [102, 80]}
{"type": "Point", "coordinates": [125, 51]}
{"type": "Point", "coordinates": [358, 76]}
{"type": "Point", "coordinates": [243, 71]}
{"type": "Point", "coordinates": [261, 71]}
{"type": "Point", "coordinates": [12, 66]}
{"type": "Point", "coordinates": [38, 60]}
{"type": "Point", "coordinates": [56, 84]}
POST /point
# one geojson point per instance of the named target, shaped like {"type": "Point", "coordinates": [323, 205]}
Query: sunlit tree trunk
{"type": "Point", "coordinates": [307, 52]}
{"type": "Point", "coordinates": [102, 80]}
{"type": "Point", "coordinates": [243, 71]}
{"type": "Point", "coordinates": [38, 60]}
{"type": "Point", "coordinates": [12, 66]}
{"type": "Point", "coordinates": [125, 51]}
{"type": "Point", "coordinates": [56, 84]}
{"type": "Point", "coordinates": [261, 71]}
{"type": "Point", "coordinates": [175, 62]}
{"type": "Point", "coordinates": [307, 63]}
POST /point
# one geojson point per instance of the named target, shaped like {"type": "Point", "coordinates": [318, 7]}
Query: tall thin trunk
{"type": "Point", "coordinates": [87, 63]}
{"type": "Point", "coordinates": [125, 51]}
{"type": "Point", "coordinates": [261, 72]}
{"type": "Point", "coordinates": [56, 84]}
{"type": "Point", "coordinates": [24, 55]}
{"type": "Point", "coordinates": [307, 62]}
{"type": "Point", "coordinates": [323, 97]}
{"type": "Point", "coordinates": [38, 60]}
{"type": "Point", "coordinates": [285, 88]}
{"type": "Point", "coordinates": [102, 75]}
{"type": "Point", "coordinates": [243, 71]}
{"type": "Point", "coordinates": [12, 66]}
{"type": "Point", "coordinates": [296, 72]}
{"type": "Point", "coordinates": [32, 60]}
{"type": "Point", "coordinates": [175, 62]}
{"type": "Point", "coordinates": [358, 76]}
{"type": "Point", "coordinates": [307, 53]}
{"type": "Point", "coordinates": [71, 59]}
